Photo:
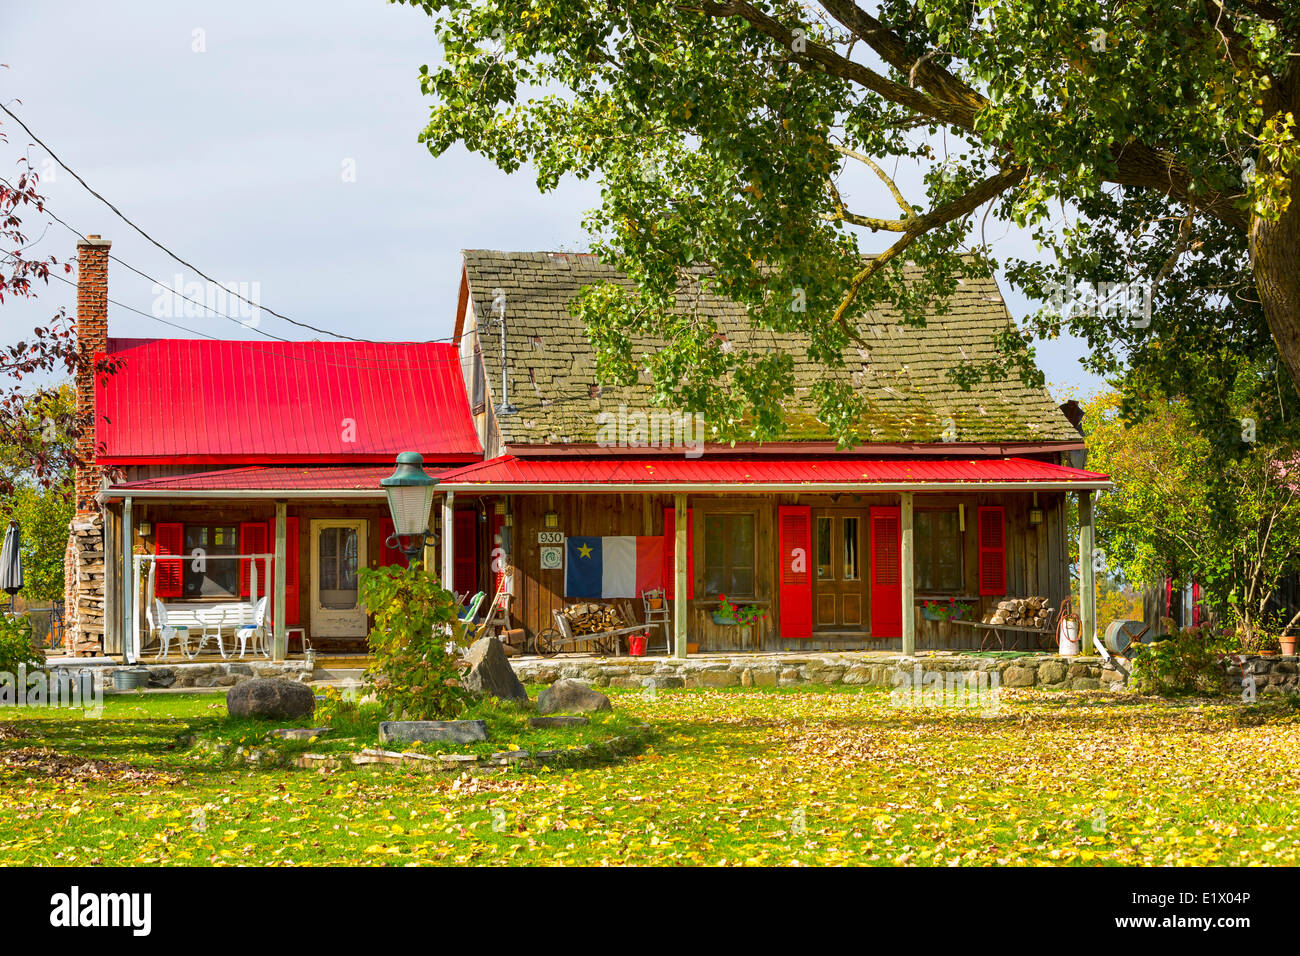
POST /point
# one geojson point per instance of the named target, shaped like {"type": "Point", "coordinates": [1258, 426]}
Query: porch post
{"type": "Point", "coordinates": [129, 636]}
{"type": "Point", "coordinates": [1087, 582]}
{"type": "Point", "coordinates": [112, 585]}
{"type": "Point", "coordinates": [280, 643]}
{"type": "Point", "coordinates": [680, 584]}
{"type": "Point", "coordinates": [909, 611]}
{"type": "Point", "coordinates": [448, 501]}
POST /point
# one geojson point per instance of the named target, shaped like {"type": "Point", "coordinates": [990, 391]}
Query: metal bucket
{"type": "Point", "coordinates": [131, 679]}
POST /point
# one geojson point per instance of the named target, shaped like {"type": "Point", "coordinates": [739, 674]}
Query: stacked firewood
{"type": "Point", "coordinates": [593, 618]}
{"type": "Point", "coordinates": [1020, 612]}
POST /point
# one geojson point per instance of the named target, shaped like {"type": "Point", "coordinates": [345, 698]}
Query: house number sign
{"type": "Point", "coordinates": [550, 537]}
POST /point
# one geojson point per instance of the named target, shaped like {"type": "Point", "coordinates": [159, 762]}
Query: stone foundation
{"type": "Point", "coordinates": [221, 674]}
{"type": "Point", "coordinates": [1050, 672]}
{"type": "Point", "coordinates": [1272, 675]}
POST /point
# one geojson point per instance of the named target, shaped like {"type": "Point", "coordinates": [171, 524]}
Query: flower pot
{"type": "Point", "coordinates": [724, 621]}
{"type": "Point", "coordinates": [655, 603]}
{"type": "Point", "coordinates": [1288, 646]}
{"type": "Point", "coordinates": [692, 647]}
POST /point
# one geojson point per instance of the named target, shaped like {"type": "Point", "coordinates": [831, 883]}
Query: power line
{"type": "Point", "coordinates": [193, 268]}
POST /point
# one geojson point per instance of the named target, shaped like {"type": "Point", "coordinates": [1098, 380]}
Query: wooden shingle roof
{"type": "Point", "coordinates": [903, 373]}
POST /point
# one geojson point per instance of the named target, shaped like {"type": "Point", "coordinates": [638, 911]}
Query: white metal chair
{"type": "Point", "coordinates": [156, 615]}
{"type": "Point", "coordinates": [658, 615]}
{"type": "Point", "coordinates": [257, 631]}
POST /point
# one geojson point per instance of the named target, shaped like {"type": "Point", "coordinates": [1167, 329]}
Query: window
{"type": "Point", "coordinates": [938, 551]}
{"type": "Point", "coordinates": [338, 568]}
{"type": "Point", "coordinates": [203, 574]}
{"type": "Point", "coordinates": [729, 555]}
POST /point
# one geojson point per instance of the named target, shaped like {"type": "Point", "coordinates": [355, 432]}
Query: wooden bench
{"type": "Point", "coordinates": [1044, 636]}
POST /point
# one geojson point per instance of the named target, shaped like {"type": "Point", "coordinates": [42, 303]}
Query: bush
{"type": "Point", "coordinates": [413, 674]}
{"type": "Point", "coordinates": [16, 645]}
{"type": "Point", "coordinates": [1185, 662]}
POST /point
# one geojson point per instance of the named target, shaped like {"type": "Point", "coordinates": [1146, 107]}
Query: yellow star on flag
{"type": "Point", "coordinates": [584, 550]}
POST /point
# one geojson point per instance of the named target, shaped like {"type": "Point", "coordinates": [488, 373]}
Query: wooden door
{"type": "Point", "coordinates": [886, 574]}
{"type": "Point", "coordinates": [338, 549]}
{"type": "Point", "coordinates": [839, 588]}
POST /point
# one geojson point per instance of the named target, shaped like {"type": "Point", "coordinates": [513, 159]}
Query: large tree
{"type": "Point", "coordinates": [1145, 146]}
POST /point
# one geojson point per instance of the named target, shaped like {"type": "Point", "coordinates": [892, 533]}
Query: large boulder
{"type": "Point", "coordinates": [490, 672]}
{"type": "Point", "coordinates": [568, 696]}
{"type": "Point", "coordinates": [270, 698]}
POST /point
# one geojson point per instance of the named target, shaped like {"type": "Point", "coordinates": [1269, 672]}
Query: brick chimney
{"type": "Point", "coordinates": [92, 340]}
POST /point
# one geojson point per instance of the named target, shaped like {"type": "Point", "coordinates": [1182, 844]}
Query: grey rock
{"type": "Point", "coordinates": [270, 699]}
{"type": "Point", "coordinates": [570, 696]}
{"type": "Point", "coordinates": [429, 731]}
{"type": "Point", "coordinates": [161, 677]}
{"type": "Point", "coordinates": [490, 671]}
{"type": "Point", "coordinates": [558, 721]}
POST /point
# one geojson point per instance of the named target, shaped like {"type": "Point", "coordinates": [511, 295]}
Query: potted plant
{"type": "Point", "coordinates": [949, 610]}
{"type": "Point", "coordinates": [729, 614]}
{"type": "Point", "coordinates": [1261, 643]}
{"type": "Point", "coordinates": [655, 602]}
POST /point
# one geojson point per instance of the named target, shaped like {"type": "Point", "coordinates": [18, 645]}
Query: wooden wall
{"type": "Point", "coordinates": [1037, 559]}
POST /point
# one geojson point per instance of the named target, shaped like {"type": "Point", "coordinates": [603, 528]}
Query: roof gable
{"type": "Point", "coordinates": [204, 401]}
{"type": "Point", "coordinates": [903, 373]}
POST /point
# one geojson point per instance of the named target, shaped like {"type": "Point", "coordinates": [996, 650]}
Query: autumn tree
{"type": "Point", "coordinates": [1148, 148]}
{"type": "Point", "coordinates": [1182, 510]}
{"type": "Point", "coordinates": [39, 424]}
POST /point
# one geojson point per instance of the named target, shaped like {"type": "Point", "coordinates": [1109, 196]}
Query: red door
{"type": "Point", "coordinates": [886, 574]}
{"type": "Point", "coordinates": [464, 544]}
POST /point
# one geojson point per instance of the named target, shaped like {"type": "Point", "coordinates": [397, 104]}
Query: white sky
{"type": "Point", "coordinates": [234, 158]}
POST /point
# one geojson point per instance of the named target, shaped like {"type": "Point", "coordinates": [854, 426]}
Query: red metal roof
{"type": "Point", "coordinates": [509, 473]}
{"type": "Point", "coordinates": [198, 401]}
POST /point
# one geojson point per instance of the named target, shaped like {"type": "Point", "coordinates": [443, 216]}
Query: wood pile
{"type": "Point", "coordinates": [84, 635]}
{"type": "Point", "coordinates": [593, 618]}
{"type": "Point", "coordinates": [1031, 612]}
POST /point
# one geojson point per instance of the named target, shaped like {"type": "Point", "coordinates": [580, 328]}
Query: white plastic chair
{"type": "Point", "coordinates": [257, 630]}
{"type": "Point", "coordinates": [156, 615]}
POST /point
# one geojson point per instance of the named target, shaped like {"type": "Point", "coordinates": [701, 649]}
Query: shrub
{"type": "Point", "coordinates": [1185, 662]}
{"type": "Point", "coordinates": [413, 675]}
{"type": "Point", "coordinates": [16, 644]}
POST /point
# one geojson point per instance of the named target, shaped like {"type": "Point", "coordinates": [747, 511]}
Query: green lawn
{"type": "Point", "coordinates": [823, 776]}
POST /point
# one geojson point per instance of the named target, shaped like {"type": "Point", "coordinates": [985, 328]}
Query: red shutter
{"type": "Point", "coordinates": [886, 573]}
{"type": "Point", "coordinates": [795, 533]}
{"type": "Point", "coordinates": [1196, 604]}
{"type": "Point", "coordinates": [252, 540]}
{"type": "Point", "coordinates": [993, 551]}
{"type": "Point", "coordinates": [291, 592]}
{"type": "Point", "coordinates": [169, 538]}
{"type": "Point", "coordinates": [464, 569]}
{"type": "Point", "coordinates": [670, 552]}
{"type": "Point", "coordinates": [389, 555]}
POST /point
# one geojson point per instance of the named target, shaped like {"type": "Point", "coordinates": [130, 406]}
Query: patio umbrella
{"type": "Point", "coordinates": [11, 562]}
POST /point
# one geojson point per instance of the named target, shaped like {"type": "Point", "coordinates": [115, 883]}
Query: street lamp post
{"type": "Point", "coordinates": [410, 496]}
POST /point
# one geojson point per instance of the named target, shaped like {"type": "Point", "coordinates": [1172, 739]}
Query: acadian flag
{"type": "Point", "coordinates": [613, 567]}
